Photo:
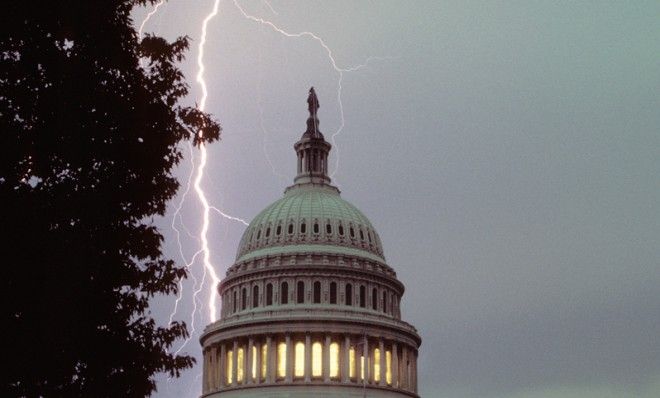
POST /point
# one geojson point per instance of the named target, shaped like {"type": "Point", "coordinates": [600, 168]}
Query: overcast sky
{"type": "Point", "coordinates": [508, 153]}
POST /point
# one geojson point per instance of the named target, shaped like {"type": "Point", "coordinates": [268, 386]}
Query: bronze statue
{"type": "Point", "coordinates": [312, 102]}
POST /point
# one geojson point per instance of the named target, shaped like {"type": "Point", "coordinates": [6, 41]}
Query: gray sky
{"type": "Point", "coordinates": [507, 152]}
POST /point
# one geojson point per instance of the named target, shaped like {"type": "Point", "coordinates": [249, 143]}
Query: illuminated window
{"type": "Point", "coordinates": [255, 297]}
{"type": "Point", "coordinates": [317, 360]}
{"type": "Point", "coordinates": [264, 361]}
{"type": "Point", "coordinates": [349, 294]}
{"type": "Point", "coordinates": [363, 296]}
{"type": "Point", "coordinates": [284, 293]}
{"type": "Point", "coordinates": [362, 367]}
{"type": "Point", "coordinates": [376, 365]}
{"type": "Point", "coordinates": [255, 352]}
{"type": "Point", "coordinates": [334, 360]}
{"type": "Point", "coordinates": [281, 360]}
{"type": "Point", "coordinates": [240, 361]}
{"type": "Point", "coordinates": [300, 292]}
{"type": "Point", "coordinates": [374, 299]}
{"type": "Point", "coordinates": [229, 371]}
{"type": "Point", "coordinates": [299, 361]}
{"type": "Point", "coordinates": [333, 292]}
{"type": "Point", "coordinates": [388, 367]}
{"type": "Point", "coordinates": [351, 363]}
{"type": "Point", "coordinates": [269, 294]}
{"type": "Point", "coordinates": [317, 292]}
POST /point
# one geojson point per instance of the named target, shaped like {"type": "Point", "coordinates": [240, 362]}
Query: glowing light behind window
{"type": "Point", "coordinates": [299, 361]}
{"type": "Point", "coordinates": [361, 367]}
{"type": "Point", "coordinates": [388, 367]}
{"type": "Point", "coordinates": [334, 360]}
{"type": "Point", "coordinates": [281, 360]}
{"type": "Point", "coordinates": [239, 365]}
{"type": "Point", "coordinates": [351, 363]}
{"type": "Point", "coordinates": [229, 372]}
{"type": "Point", "coordinates": [264, 361]}
{"type": "Point", "coordinates": [255, 352]}
{"type": "Point", "coordinates": [317, 360]}
{"type": "Point", "coordinates": [376, 364]}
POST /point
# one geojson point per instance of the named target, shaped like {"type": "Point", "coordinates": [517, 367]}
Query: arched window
{"type": "Point", "coordinates": [317, 292]}
{"type": "Point", "coordinates": [258, 234]}
{"type": "Point", "coordinates": [255, 297]}
{"type": "Point", "coordinates": [349, 294]}
{"type": "Point", "coordinates": [333, 292]}
{"type": "Point", "coordinates": [299, 360]}
{"type": "Point", "coordinates": [302, 228]}
{"type": "Point", "coordinates": [290, 229]}
{"type": "Point", "coordinates": [384, 301]}
{"type": "Point", "coordinates": [234, 302]}
{"type": "Point", "coordinates": [374, 299]}
{"type": "Point", "coordinates": [269, 294]}
{"type": "Point", "coordinates": [244, 299]}
{"type": "Point", "coordinates": [328, 229]}
{"type": "Point", "coordinates": [300, 292]}
{"type": "Point", "coordinates": [369, 235]}
{"type": "Point", "coordinates": [316, 228]}
{"type": "Point", "coordinates": [363, 296]}
{"type": "Point", "coordinates": [317, 359]}
{"type": "Point", "coordinates": [267, 232]}
{"type": "Point", "coordinates": [284, 293]}
{"type": "Point", "coordinates": [278, 231]}
{"type": "Point", "coordinates": [361, 234]}
{"type": "Point", "coordinates": [351, 231]}
{"type": "Point", "coordinates": [341, 230]}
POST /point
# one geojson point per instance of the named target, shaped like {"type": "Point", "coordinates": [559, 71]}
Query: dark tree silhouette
{"type": "Point", "coordinates": [91, 123]}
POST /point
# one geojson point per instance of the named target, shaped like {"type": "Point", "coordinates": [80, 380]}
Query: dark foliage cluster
{"type": "Point", "coordinates": [91, 123]}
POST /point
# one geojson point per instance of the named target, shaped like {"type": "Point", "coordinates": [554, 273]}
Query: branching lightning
{"type": "Point", "coordinates": [148, 17]}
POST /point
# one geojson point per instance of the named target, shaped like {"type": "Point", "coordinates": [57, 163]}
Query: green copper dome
{"type": "Point", "coordinates": [311, 218]}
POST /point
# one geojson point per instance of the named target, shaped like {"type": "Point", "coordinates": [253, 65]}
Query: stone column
{"type": "Point", "coordinates": [345, 363]}
{"type": "Point", "coordinates": [404, 367]}
{"type": "Point", "coordinates": [205, 373]}
{"type": "Point", "coordinates": [223, 365]}
{"type": "Point", "coordinates": [308, 358]}
{"type": "Point", "coordinates": [326, 359]}
{"type": "Point", "coordinates": [270, 368]}
{"type": "Point", "coordinates": [214, 368]}
{"type": "Point", "coordinates": [250, 361]}
{"type": "Point", "coordinates": [414, 374]}
{"type": "Point", "coordinates": [289, 367]}
{"type": "Point", "coordinates": [381, 347]}
{"type": "Point", "coordinates": [234, 361]}
{"type": "Point", "coordinates": [395, 365]}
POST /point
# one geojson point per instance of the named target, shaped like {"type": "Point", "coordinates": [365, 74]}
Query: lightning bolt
{"type": "Point", "coordinates": [198, 171]}
{"type": "Point", "coordinates": [148, 17]}
{"type": "Point", "coordinates": [340, 71]}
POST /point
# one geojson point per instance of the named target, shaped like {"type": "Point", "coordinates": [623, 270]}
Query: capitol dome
{"type": "Point", "coordinates": [310, 306]}
{"type": "Point", "coordinates": [310, 217]}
